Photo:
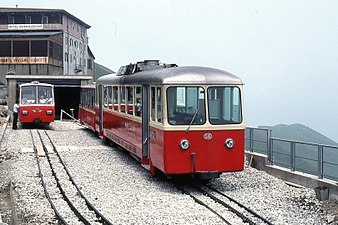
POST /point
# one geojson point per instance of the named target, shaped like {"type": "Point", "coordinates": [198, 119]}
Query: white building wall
{"type": "Point", "coordinates": [75, 49]}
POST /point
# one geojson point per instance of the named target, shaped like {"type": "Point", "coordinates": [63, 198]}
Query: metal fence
{"type": "Point", "coordinates": [316, 159]}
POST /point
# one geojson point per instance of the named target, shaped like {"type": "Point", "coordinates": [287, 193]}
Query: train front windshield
{"type": "Point", "coordinates": [186, 105]}
{"type": "Point", "coordinates": [224, 105]}
{"type": "Point", "coordinates": [36, 95]}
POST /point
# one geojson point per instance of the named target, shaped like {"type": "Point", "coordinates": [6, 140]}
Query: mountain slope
{"type": "Point", "coordinates": [299, 132]}
{"type": "Point", "coordinates": [100, 70]}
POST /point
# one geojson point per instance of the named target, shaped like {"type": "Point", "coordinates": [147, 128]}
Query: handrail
{"type": "Point", "coordinates": [304, 142]}
{"type": "Point", "coordinates": [290, 150]}
{"type": "Point", "coordinates": [72, 117]}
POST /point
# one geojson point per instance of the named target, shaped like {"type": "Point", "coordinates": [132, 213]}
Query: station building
{"type": "Point", "coordinates": [45, 45]}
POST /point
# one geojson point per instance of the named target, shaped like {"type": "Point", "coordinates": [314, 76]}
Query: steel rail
{"type": "Point", "coordinates": [58, 215]}
{"type": "Point", "coordinates": [240, 204]}
{"type": "Point", "coordinates": [202, 203]}
{"type": "Point", "coordinates": [90, 206]}
{"type": "Point", "coordinates": [70, 204]}
{"type": "Point", "coordinates": [231, 209]}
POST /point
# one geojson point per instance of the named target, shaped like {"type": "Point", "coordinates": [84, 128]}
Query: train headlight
{"type": "Point", "coordinates": [184, 144]}
{"type": "Point", "coordinates": [24, 112]}
{"type": "Point", "coordinates": [229, 143]}
{"type": "Point", "coordinates": [49, 112]}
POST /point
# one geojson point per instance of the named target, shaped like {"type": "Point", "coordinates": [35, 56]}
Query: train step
{"type": "Point", "coordinates": [147, 167]}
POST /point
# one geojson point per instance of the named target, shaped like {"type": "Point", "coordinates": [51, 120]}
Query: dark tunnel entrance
{"type": "Point", "coordinates": [66, 98]}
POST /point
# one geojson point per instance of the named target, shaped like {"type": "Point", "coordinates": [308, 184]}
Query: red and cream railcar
{"type": "Point", "coordinates": [178, 120]}
{"type": "Point", "coordinates": [36, 103]}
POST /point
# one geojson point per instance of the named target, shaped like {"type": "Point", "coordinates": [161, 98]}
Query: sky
{"type": "Point", "coordinates": [285, 51]}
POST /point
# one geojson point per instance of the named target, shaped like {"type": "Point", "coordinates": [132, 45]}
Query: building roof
{"type": "Point", "coordinates": [40, 10]}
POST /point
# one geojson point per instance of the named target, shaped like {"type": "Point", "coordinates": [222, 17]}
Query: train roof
{"type": "Point", "coordinates": [193, 75]}
{"type": "Point", "coordinates": [36, 83]}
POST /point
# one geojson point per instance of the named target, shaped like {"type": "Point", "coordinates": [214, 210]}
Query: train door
{"type": "Point", "coordinates": [145, 122]}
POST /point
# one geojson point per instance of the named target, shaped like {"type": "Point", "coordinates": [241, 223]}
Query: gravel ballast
{"type": "Point", "coordinates": [126, 193]}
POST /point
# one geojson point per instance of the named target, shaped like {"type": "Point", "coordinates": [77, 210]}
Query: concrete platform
{"type": "Point", "coordinates": [259, 161]}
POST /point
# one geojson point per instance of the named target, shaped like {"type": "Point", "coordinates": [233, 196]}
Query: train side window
{"type": "Point", "coordinates": [105, 96]}
{"type": "Point", "coordinates": [97, 89]}
{"type": "Point", "coordinates": [123, 99]}
{"type": "Point", "coordinates": [159, 104]}
{"type": "Point", "coordinates": [153, 104]}
{"type": "Point", "coordinates": [115, 97]}
{"type": "Point", "coordinates": [130, 98]}
{"type": "Point", "coordinates": [110, 97]}
{"type": "Point", "coordinates": [92, 98]}
{"type": "Point", "coordinates": [138, 101]}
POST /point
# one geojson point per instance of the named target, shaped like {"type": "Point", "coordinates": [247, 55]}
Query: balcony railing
{"type": "Point", "coordinates": [13, 27]}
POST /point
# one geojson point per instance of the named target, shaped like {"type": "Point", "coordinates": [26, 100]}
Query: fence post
{"type": "Point", "coordinates": [251, 139]}
{"type": "Point", "coordinates": [320, 162]}
{"type": "Point", "coordinates": [270, 147]}
{"type": "Point", "coordinates": [293, 156]}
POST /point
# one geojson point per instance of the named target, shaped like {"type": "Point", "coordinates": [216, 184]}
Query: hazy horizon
{"type": "Point", "coordinates": [286, 52]}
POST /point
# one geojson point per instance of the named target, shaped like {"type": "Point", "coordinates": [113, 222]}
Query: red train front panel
{"type": "Point", "coordinates": [37, 113]}
{"type": "Point", "coordinates": [207, 151]}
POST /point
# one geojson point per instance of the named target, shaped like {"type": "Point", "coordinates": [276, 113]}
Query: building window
{"type": "Point", "coordinates": [28, 19]}
{"type": "Point", "coordinates": [75, 44]}
{"type": "Point", "coordinates": [71, 42]}
{"type": "Point", "coordinates": [71, 58]}
{"type": "Point", "coordinates": [66, 40]}
{"type": "Point", "coordinates": [90, 64]}
{"type": "Point", "coordinates": [39, 48]}
{"type": "Point", "coordinates": [11, 20]}
{"type": "Point", "coordinates": [45, 19]}
{"type": "Point", "coordinates": [66, 57]}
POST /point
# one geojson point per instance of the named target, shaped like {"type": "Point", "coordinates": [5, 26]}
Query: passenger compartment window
{"type": "Point", "coordinates": [159, 105]}
{"type": "Point", "coordinates": [138, 101]}
{"type": "Point", "coordinates": [110, 97]}
{"type": "Point", "coordinates": [122, 99]}
{"type": "Point", "coordinates": [115, 97]}
{"type": "Point", "coordinates": [224, 104]}
{"type": "Point", "coordinates": [153, 104]}
{"type": "Point", "coordinates": [186, 105]}
{"type": "Point", "coordinates": [105, 96]}
{"type": "Point", "coordinates": [130, 98]}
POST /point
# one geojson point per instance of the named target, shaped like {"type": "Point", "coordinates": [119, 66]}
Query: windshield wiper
{"type": "Point", "coordinates": [193, 118]}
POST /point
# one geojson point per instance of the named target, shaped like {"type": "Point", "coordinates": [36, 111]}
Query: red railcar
{"type": "Point", "coordinates": [36, 103]}
{"type": "Point", "coordinates": [178, 120]}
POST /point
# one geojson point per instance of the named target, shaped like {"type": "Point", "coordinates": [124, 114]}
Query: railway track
{"type": "Point", "coordinates": [226, 207]}
{"type": "Point", "coordinates": [67, 200]}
